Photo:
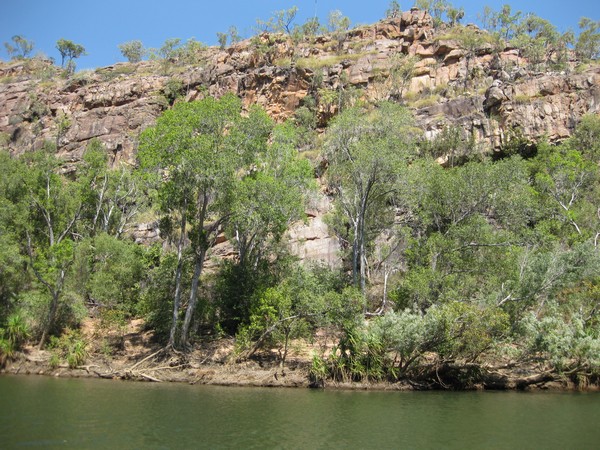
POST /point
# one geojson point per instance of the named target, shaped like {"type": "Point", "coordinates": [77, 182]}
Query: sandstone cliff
{"type": "Point", "coordinates": [486, 93]}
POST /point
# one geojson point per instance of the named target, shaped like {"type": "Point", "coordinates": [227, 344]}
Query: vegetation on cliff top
{"type": "Point", "coordinates": [441, 267]}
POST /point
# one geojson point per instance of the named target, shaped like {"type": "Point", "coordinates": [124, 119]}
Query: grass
{"type": "Point", "coordinates": [425, 102]}
{"type": "Point", "coordinates": [117, 71]}
{"type": "Point", "coordinates": [315, 63]}
{"type": "Point", "coordinates": [7, 79]}
{"type": "Point", "coordinates": [522, 99]}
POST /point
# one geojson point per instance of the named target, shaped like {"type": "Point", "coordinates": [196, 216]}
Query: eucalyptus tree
{"type": "Point", "coordinates": [69, 51]}
{"type": "Point", "coordinates": [12, 216]}
{"type": "Point", "coordinates": [112, 196]}
{"type": "Point", "coordinates": [54, 209]}
{"type": "Point", "coordinates": [270, 197]}
{"type": "Point", "coordinates": [588, 43]}
{"type": "Point", "coordinates": [20, 48]}
{"type": "Point", "coordinates": [366, 152]}
{"type": "Point", "coordinates": [564, 178]}
{"type": "Point", "coordinates": [469, 224]}
{"type": "Point", "coordinates": [132, 50]}
{"type": "Point", "coordinates": [196, 152]}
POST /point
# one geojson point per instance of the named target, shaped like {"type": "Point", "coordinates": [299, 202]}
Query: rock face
{"type": "Point", "coordinates": [312, 241]}
{"type": "Point", "coordinates": [484, 94]}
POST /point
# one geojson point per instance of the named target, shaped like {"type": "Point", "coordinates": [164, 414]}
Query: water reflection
{"type": "Point", "coordinates": [49, 413]}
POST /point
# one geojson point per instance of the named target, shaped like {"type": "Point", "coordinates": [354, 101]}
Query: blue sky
{"type": "Point", "coordinates": [101, 25]}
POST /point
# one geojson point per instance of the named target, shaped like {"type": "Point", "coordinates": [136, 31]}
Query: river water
{"type": "Point", "coordinates": [46, 412]}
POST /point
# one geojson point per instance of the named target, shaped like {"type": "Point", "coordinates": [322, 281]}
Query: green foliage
{"type": "Point", "coordinates": [168, 51]}
{"type": "Point", "coordinates": [564, 177]}
{"type": "Point", "coordinates": [284, 20]}
{"type": "Point", "coordinates": [395, 346]}
{"type": "Point", "coordinates": [205, 147]}
{"type": "Point", "coordinates": [587, 47]}
{"type": "Point", "coordinates": [20, 48]}
{"type": "Point", "coordinates": [156, 301]}
{"type": "Point", "coordinates": [470, 222]}
{"type": "Point", "coordinates": [111, 197]}
{"type": "Point", "coordinates": [541, 43]}
{"type": "Point", "coordinates": [289, 310]}
{"type": "Point", "coordinates": [234, 36]}
{"type": "Point", "coordinates": [503, 23]}
{"type": "Point", "coordinates": [173, 89]}
{"type": "Point", "coordinates": [55, 239]}
{"type": "Point", "coordinates": [236, 287]}
{"type": "Point", "coordinates": [12, 337]}
{"type": "Point", "coordinates": [451, 145]}
{"type": "Point", "coordinates": [437, 8]}
{"type": "Point", "coordinates": [537, 39]}
{"type": "Point", "coordinates": [222, 38]}
{"type": "Point", "coordinates": [586, 138]}
{"type": "Point", "coordinates": [68, 52]}
{"type": "Point", "coordinates": [567, 343]}
{"type": "Point", "coordinates": [367, 151]}
{"type": "Point", "coordinates": [132, 50]}
{"type": "Point", "coordinates": [393, 10]}
{"type": "Point", "coordinates": [70, 347]}
{"type": "Point", "coordinates": [338, 25]}
{"type": "Point", "coordinates": [193, 52]}
{"type": "Point", "coordinates": [108, 271]}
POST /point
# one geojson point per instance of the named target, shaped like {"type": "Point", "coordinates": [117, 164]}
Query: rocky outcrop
{"type": "Point", "coordinates": [311, 240]}
{"type": "Point", "coordinates": [113, 104]}
{"type": "Point", "coordinates": [484, 93]}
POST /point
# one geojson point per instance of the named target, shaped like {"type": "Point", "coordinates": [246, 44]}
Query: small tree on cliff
{"type": "Point", "coordinates": [393, 10]}
{"type": "Point", "coordinates": [588, 43]}
{"type": "Point", "coordinates": [69, 51]}
{"type": "Point", "coordinates": [132, 50]}
{"type": "Point", "coordinates": [20, 47]}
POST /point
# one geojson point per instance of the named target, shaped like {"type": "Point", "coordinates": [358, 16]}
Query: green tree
{"type": "Point", "coordinates": [13, 216]}
{"type": "Point", "coordinates": [540, 42]}
{"type": "Point", "coordinates": [111, 196]}
{"type": "Point", "coordinates": [366, 152]}
{"type": "Point", "coordinates": [108, 272]}
{"type": "Point", "coordinates": [234, 36]}
{"type": "Point", "coordinates": [471, 40]}
{"type": "Point", "coordinates": [468, 224]}
{"type": "Point", "coordinates": [169, 48]}
{"type": "Point", "coordinates": [20, 48]}
{"type": "Point", "coordinates": [455, 15]}
{"type": "Point", "coordinates": [132, 50]}
{"type": "Point", "coordinates": [199, 148]}
{"type": "Point", "coordinates": [68, 52]}
{"type": "Point", "coordinates": [290, 310]}
{"type": "Point", "coordinates": [586, 138]}
{"type": "Point", "coordinates": [338, 25]}
{"type": "Point", "coordinates": [437, 9]}
{"type": "Point", "coordinates": [54, 213]}
{"type": "Point", "coordinates": [401, 73]}
{"type": "Point", "coordinates": [222, 38]}
{"type": "Point", "coordinates": [564, 177]}
{"type": "Point", "coordinates": [192, 52]}
{"type": "Point", "coordinates": [393, 10]}
{"type": "Point", "coordinates": [270, 198]}
{"type": "Point", "coordinates": [588, 43]}
{"type": "Point", "coordinates": [503, 23]}
{"type": "Point", "coordinates": [284, 20]}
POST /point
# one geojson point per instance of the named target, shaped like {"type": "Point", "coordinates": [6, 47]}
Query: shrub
{"type": "Point", "coordinates": [132, 50]}
{"type": "Point", "coordinates": [70, 347]}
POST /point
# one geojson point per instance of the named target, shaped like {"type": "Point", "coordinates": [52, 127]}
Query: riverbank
{"type": "Point", "coordinates": [212, 362]}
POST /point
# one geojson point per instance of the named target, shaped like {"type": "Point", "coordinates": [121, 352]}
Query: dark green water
{"type": "Point", "coordinates": [76, 413]}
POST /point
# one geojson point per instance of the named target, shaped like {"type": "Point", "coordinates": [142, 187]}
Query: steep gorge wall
{"type": "Point", "coordinates": [114, 104]}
